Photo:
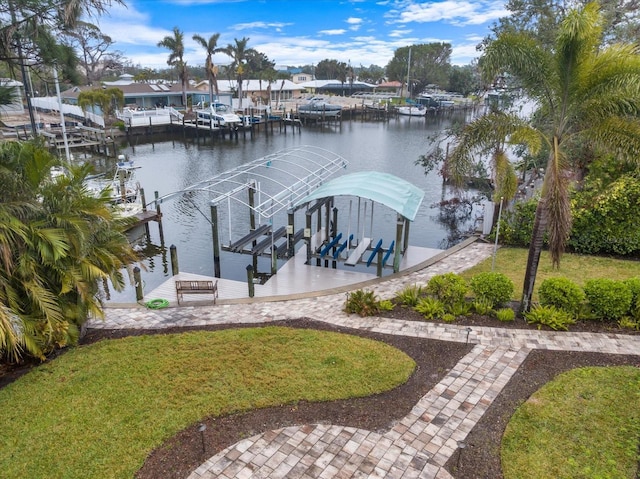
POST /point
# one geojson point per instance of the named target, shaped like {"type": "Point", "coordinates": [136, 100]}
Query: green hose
{"type": "Point", "coordinates": [157, 303]}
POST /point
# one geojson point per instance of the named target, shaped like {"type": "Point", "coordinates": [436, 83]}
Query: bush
{"type": "Point", "coordinates": [629, 323]}
{"type": "Point", "coordinates": [385, 305]}
{"type": "Point", "coordinates": [608, 300]}
{"type": "Point", "coordinates": [605, 221]}
{"type": "Point", "coordinates": [482, 306]}
{"type": "Point", "coordinates": [409, 295]}
{"type": "Point", "coordinates": [431, 308]}
{"type": "Point", "coordinates": [516, 227]}
{"type": "Point", "coordinates": [561, 293]}
{"type": "Point", "coordinates": [448, 318]}
{"type": "Point", "coordinates": [634, 286]}
{"type": "Point", "coordinates": [449, 288]}
{"type": "Point", "coordinates": [556, 319]}
{"type": "Point", "coordinates": [460, 309]}
{"type": "Point", "coordinates": [506, 315]}
{"type": "Point", "coordinates": [494, 287]}
{"type": "Point", "coordinates": [364, 303]}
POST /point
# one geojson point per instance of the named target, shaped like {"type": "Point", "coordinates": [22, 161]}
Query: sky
{"type": "Point", "coordinates": [296, 33]}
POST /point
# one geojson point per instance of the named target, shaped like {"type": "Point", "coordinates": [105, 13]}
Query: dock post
{"type": "Point", "coordinates": [379, 265]}
{"type": "Point", "coordinates": [174, 260]}
{"type": "Point", "coordinates": [290, 233]}
{"type": "Point", "coordinates": [396, 255]}
{"type": "Point", "coordinates": [216, 241]}
{"type": "Point", "coordinates": [159, 215]}
{"type": "Point", "coordinates": [307, 236]}
{"type": "Point", "coordinates": [250, 281]}
{"type": "Point", "coordinates": [138, 282]}
{"type": "Point", "coordinates": [405, 245]}
{"type": "Point", "coordinates": [334, 232]}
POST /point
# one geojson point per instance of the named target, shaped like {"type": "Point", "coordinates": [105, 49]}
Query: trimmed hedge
{"type": "Point", "coordinates": [608, 300]}
{"type": "Point", "coordinates": [562, 293]}
{"type": "Point", "coordinates": [494, 287]}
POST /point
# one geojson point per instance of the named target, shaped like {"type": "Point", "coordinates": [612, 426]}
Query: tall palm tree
{"type": "Point", "coordinates": [588, 95]}
{"type": "Point", "coordinates": [239, 53]}
{"type": "Point", "coordinates": [175, 44]}
{"type": "Point", "coordinates": [211, 47]}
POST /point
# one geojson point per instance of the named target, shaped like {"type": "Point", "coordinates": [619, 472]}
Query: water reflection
{"type": "Point", "coordinates": [172, 163]}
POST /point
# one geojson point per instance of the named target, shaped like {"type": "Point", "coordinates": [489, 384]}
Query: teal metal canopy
{"type": "Point", "coordinates": [383, 188]}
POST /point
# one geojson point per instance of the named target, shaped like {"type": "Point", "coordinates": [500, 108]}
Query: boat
{"type": "Point", "coordinates": [123, 189]}
{"type": "Point", "coordinates": [413, 110]}
{"type": "Point", "coordinates": [319, 109]}
{"type": "Point", "coordinates": [220, 114]}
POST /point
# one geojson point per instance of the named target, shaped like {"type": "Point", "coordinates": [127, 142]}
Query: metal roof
{"type": "Point", "coordinates": [383, 188]}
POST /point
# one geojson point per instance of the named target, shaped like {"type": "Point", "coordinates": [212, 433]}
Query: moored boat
{"type": "Point", "coordinates": [218, 113]}
{"type": "Point", "coordinates": [319, 109]}
{"type": "Point", "coordinates": [417, 110]}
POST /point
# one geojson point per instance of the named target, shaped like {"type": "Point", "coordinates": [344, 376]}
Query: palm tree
{"type": "Point", "coordinates": [211, 47]}
{"type": "Point", "coordinates": [238, 53]}
{"type": "Point", "coordinates": [588, 95]}
{"type": "Point", "coordinates": [57, 243]}
{"type": "Point", "coordinates": [176, 58]}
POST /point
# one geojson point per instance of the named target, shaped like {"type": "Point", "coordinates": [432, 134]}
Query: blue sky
{"type": "Point", "coordinates": [301, 32]}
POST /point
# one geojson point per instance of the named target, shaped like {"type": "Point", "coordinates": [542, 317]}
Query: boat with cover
{"type": "Point", "coordinates": [220, 114]}
{"type": "Point", "coordinates": [319, 109]}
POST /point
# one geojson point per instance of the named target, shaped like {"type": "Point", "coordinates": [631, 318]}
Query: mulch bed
{"type": "Point", "coordinates": [184, 452]}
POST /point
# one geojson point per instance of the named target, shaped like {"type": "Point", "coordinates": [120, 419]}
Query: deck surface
{"type": "Point", "coordinates": [293, 277]}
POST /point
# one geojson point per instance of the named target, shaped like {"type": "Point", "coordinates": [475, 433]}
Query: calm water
{"type": "Point", "coordinates": [171, 164]}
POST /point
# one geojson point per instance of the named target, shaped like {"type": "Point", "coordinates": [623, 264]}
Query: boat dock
{"type": "Point", "coordinates": [294, 277]}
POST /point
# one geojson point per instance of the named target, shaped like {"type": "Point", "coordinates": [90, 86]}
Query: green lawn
{"type": "Point", "coordinates": [578, 268]}
{"type": "Point", "coordinates": [584, 424]}
{"type": "Point", "coordinates": [97, 411]}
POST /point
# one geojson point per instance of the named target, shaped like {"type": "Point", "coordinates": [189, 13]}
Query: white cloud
{"type": "Point", "coordinates": [335, 31]}
{"type": "Point", "coordinates": [353, 21]}
{"type": "Point", "coordinates": [399, 33]}
{"type": "Point", "coordinates": [255, 25]}
{"type": "Point", "coordinates": [457, 12]}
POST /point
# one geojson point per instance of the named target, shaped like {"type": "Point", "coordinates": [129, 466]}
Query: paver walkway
{"type": "Point", "coordinates": [421, 443]}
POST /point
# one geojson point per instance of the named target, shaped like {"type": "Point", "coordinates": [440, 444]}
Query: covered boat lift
{"type": "Point", "coordinates": [382, 188]}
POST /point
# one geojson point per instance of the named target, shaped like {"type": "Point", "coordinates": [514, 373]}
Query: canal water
{"type": "Point", "coordinates": [172, 163]}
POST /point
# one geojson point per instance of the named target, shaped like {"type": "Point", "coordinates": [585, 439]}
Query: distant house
{"type": "Point", "coordinates": [16, 107]}
{"type": "Point", "coordinates": [394, 87]}
{"type": "Point", "coordinates": [301, 77]}
{"type": "Point", "coordinates": [142, 94]}
{"type": "Point", "coordinates": [257, 90]}
{"type": "Point", "coordinates": [336, 87]}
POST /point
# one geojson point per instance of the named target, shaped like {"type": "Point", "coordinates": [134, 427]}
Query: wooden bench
{"type": "Point", "coordinates": [197, 287]}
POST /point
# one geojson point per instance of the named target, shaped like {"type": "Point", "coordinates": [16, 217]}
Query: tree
{"type": "Point", "coordinates": [57, 243]}
{"type": "Point", "coordinates": [239, 53]}
{"type": "Point", "coordinates": [92, 46]}
{"type": "Point", "coordinates": [374, 74]}
{"type": "Point", "coordinates": [327, 70]}
{"type": "Point", "coordinates": [107, 99]}
{"type": "Point", "coordinates": [211, 47]}
{"type": "Point", "coordinates": [464, 79]}
{"type": "Point", "coordinates": [588, 96]}
{"type": "Point", "coordinates": [430, 64]}
{"type": "Point", "coordinates": [176, 58]}
{"type": "Point", "coordinates": [542, 18]}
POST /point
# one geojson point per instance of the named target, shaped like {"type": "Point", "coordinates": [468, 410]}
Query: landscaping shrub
{"type": "Point", "coordinates": [494, 287]}
{"type": "Point", "coordinates": [448, 318]}
{"type": "Point", "coordinates": [556, 319]}
{"type": "Point", "coordinates": [364, 303]}
{"type": "Point", "coordinates": [608, 300]}
{"type": "Point", "coordinates": [607, 222]}
{"type": "Point", "coordinates": [409, 295]}
{"type": "Point", "coordinates": [516, 226]}
{"type": "Point", "coordinates": [431, 308]}
{"type": "Point", "coordinates": [449, 288]}
{"type": "Point", "coordinates": [634, 286]}
{"type": "Point", "coordinates": [460, 309]}
{"type": "Point", "coordinates": [562, 293]}
{"type": "Point", "coordinates": [482, 306]}
{"type": "Point", "coordinates": [506, 315]}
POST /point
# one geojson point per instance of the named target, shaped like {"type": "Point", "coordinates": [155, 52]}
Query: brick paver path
{"type": "Point", "coordinates": [421, 443]}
